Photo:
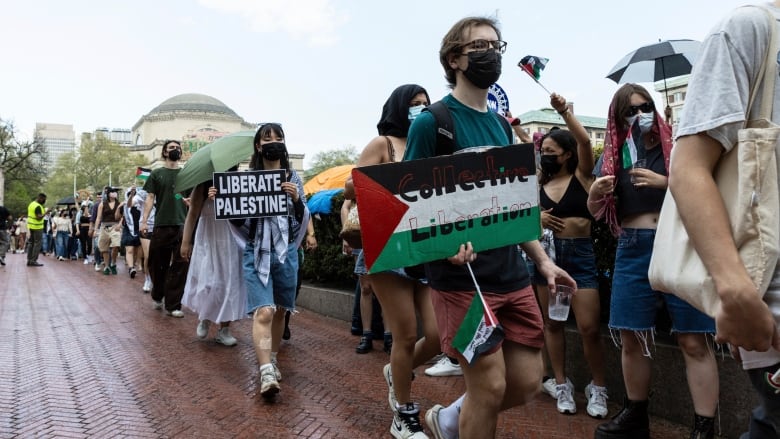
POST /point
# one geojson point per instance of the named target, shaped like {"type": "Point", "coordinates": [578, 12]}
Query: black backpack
{"type": "Point", "coordinates": [445, 130]}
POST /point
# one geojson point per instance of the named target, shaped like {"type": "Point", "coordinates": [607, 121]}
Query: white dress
{"type": "Point", "coordinates": [215, 286]}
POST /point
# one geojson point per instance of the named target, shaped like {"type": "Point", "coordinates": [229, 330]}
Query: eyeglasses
{"type": "Point", "coordinates": [485, 45]}
{"type": "Point", "coordinates": [647, 107]}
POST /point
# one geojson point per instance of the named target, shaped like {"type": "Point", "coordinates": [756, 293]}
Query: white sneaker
{"type": "Point", "coordinates": [86, 261]}
{"type": "Point", "coordinates": [597, 401]}
{"type": "Point", "coordinates": [387, 372]}
{"type": "Point", "coordinates": [98, 267]}
{"type": "Point", "coordinates": [548, 386]}
{"type": "Point", "coordinates": [175, 313]}
{"type": "Point", "coordinates": [444, 368]}
{"type": "Point", "coordinates": [406, 423]}
{"type": "Point", "coordinates": [277, 372]}
{"type": "Point", "coordinates": [563, 393]}
{"type": "Point", "coordinates": [147, 284]}
{"type": "Point", "coordinates": [224, 337]}
{"type": "Point", "coordinates": [203, 329]}
{"type": "Point", "coordinates": [269, 387]}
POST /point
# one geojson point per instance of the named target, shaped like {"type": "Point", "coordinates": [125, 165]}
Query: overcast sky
{"type": "Point", "coordinates": [323, 68]}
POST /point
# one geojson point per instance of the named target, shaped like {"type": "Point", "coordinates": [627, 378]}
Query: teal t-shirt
{"type": "Point", "coordinates": [500, 270]}
{"type": "Point", "coordinates": [169, 205]}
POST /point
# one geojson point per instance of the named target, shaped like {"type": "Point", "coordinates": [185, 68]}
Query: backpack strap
{"type": "Point", "coordinates": [445, 131]}
{"type": "Point", "coordinates": [507, 128]}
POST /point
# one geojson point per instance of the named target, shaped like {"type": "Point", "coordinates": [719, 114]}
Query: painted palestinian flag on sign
{"type": "Point", "coordinates": [142, 173]}
{"type": "Point", "coordinates": [479, 332]}
{"type": "Point", "coordinates": [423, 210]}
{"type": "Point", "coordinates": [533, 65]}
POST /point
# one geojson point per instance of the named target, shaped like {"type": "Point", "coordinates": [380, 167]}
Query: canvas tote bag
{"type": "Point", "coordinates": [746, 177]}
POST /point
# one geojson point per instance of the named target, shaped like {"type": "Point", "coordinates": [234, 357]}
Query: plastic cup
{"type": "Point", "coordinates": [560, 302]}
{"type": "Point", "coordinates": [639, 164]}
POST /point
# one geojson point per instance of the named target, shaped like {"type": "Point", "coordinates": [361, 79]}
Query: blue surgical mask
{"type": "Point", "coordinates": [646, 121]}
{"type": "Point", "coordinates": [415, 111]}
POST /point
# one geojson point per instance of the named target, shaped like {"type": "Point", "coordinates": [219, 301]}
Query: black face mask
{"type": "Point", "coordinates": [274, 151]}
{"type": "Point", "coordinates": [550, 165]}
{"type": "Point", "coordinates": [174, 155]}
{"type": "Point", "coordinates": [484, 68]}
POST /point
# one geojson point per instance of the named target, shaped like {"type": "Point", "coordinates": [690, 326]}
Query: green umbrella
{"type": "Point", "coordinates": [218, 156]}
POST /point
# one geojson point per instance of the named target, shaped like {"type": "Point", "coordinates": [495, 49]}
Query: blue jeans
{"type": "Point", "coordinates": [283, 277]}
{"type": "Point", "coordinates": [575, 255]}
{"type": "Point", "coordinates": [633, 303]}
{"type": "Point", "coordinates": [765, 419]}
{"type": "Point", "coordinates": [46, 245]}
{"type": "Point", "coordinates": [61, 244]}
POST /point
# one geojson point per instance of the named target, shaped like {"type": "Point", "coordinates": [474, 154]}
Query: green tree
{"type": "Point", "coordinates": [346, 155]}
{"type": "Point", "coordinates": [95, 162]}
{"type": "Point", "coordinates": [21, 170]}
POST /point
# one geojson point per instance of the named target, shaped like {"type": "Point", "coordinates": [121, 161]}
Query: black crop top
{"type": "Point", "coordinates": [631, 200]}
{"type": "Point", "coordinates": [573, 203]}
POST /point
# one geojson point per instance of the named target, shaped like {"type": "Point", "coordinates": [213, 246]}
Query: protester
{"type": "Point", "coordinates": [34, 226]}
{"type": "Point", "coordinates": [509, 375]}
{"type": "Point", "coordinates": [5, 219]}
{"type": "Point", "coordinates": [215, 287]}
{"type": "Point", "coordinates": [402, 295]}
{"type": "Point", "coordinates": [131, 214]}
{"type": "Point", "coordinates": [47, 245]}
{"type": "Point", "coordinates": [94, 233]}
{"type": "Point", "coordinates": [61, 228]}
{"type": "Point", "coordinates": [729, 62]}
{"type": "Point", "coordinates": [565, 178]}
{"type": "Point", "coordinates": [109, 226]}
{"type": "Point", "coordinates": [167, 267]}
{"type": "Point", "coordinates": [629, 198]}
{"type": "Point", "coordinates": [140, 197]}
{"type": "Point", "coordinates": [21, 233]}
{"type": "Point", "coordinates": [82, 232]}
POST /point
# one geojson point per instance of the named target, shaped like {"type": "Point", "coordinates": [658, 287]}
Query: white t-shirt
{"type": "Point", "coordinates": [717, 100]}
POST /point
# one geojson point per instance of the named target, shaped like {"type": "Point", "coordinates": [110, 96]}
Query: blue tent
{"type": "Point", "coordinates": [320, 202]}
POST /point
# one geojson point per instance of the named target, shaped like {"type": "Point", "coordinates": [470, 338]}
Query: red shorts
{"type": "Point", "coordinates": [516, 311]}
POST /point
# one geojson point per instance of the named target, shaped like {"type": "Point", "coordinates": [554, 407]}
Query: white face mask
{"type": "Point", "coordinates": [645, 121]}
{"type": "Point", "coordinates": [415, 111]}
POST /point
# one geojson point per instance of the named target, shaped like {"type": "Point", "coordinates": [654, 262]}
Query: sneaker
{"type": "Point", "coordinates": [113, 269]}
{"type": "Point", "coordinates": [387, 372]}
{"type": "Point", "coordinates": [548, 386]}
{"type": "Point", "coordinates": [432, 420]}
{"type": "Point", "coordinates": [444, 368]}
{"type": "Point", "coordinates": [157, 305]}
{"type": "Point", "coordinates": [147, 285]}
{"type": "Point", "coordinates": [132, 273]}
{"type": "Point", "coordinates": [224, 337]}
{"type": "Point", "coordinates": [175, 313]}
{"type": "Point", "coordinates": [97, 267]}
{"type": "Point", "coordinates": [203, 329]}
{"type": "Point", "coordinates": [277, 372]}
{"type": "Point", "coordinates": [406, 423]}
{"type": "Point", "coordinates": [106, 271]}
{"type": "Point", "coordinates": [86, 261]}
{"type": "Point", "coordinates": [366, 345]}
{"type": "Point", "coordinates": [597, 401]}
{"type": "Point", "coordinates": [565, 398]}
{"type": "Point", "coordinates": [269, 386]}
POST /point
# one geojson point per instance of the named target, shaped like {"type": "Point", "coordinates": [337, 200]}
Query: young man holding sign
{"type": "Point", "coordinates": [509, 374]}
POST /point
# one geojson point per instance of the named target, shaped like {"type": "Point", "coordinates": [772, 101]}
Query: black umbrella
{"type": "Point", "coordinates": [66, 201]}
{"type": "Point", "coordinates": [664, 59]}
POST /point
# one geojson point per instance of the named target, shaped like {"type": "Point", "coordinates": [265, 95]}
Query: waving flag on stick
{"type": "Point", "coordinates": [533, 65]}
{"type": "Point", "coordinates": [480, 331]}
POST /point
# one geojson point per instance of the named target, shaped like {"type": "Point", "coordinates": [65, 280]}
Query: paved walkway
{"type": "Point", "coordinates": [85, 355]}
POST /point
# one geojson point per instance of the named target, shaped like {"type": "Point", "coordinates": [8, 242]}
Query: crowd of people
{"type": "Point", "coordinates": [228, 270]}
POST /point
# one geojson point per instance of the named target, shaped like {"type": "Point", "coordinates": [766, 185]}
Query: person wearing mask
{"type": "Point", "coordinates": [94, 234]}
{"type": "Point", "coordinates": [131, 214]}
{"type": "Point", "coordinates": [140, 197]}
{"type": "Point", "coordinates": [5, 238]}
{"type": "Point", "coordinates": [82, 232]}
{"type": "Point", "coordinates": [34, 226]}
{"type": "Point", "coordinates": [510, 374]}
{"type": "Point", "coordinates": [109, 226]}
{"type": "Point", "coordinates": [629, 198]}
{"type": "Point", "coordinates": [401, 295]}
{"type": "Point", "coordinates": [61, 227]}
{"type": "Point", "coordinates": [167, 267]}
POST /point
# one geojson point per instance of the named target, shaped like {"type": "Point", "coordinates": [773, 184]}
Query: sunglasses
{"type": "Point", "coordinates": [647, 107]}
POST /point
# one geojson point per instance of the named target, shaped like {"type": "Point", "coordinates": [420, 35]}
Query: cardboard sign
{"type": "Point", "coordinates": [422, 210]}
{"type": "Point", "coordinates": [250, 194]}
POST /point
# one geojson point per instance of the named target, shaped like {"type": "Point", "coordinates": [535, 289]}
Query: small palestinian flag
{"type": "Point", "coordinates": [142, 173]}
{"type": "Point", "coordinates": [629, 152]}
{"type": "Point", "coordinates": [533, 65]}
{"type": "Point", "coordinates": [480, 331]}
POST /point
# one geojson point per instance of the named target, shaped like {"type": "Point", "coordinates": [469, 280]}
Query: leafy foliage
{"type": "Point", "coordinates": [334, 157]}
{"type": "Point", "coordinates": [327, 265]}
{"type": "Point", "coordinates": [20, 168]}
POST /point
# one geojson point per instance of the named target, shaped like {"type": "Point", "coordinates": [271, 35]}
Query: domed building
{"type": "Point", "coordinates": [192, 118]}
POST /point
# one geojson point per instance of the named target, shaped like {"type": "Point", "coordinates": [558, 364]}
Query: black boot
{"type": "Point", "coordinates": [286, 333]}
{"type": "Point", "coordinates": [631, 422]}
{"type": "Point", "coordinates": [703, 427]}
{"type": "Point", "coordinates": [366, 344]}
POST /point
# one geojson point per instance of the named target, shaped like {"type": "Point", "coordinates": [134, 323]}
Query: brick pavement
{"type": "Point", "coordinates": [85, 355]}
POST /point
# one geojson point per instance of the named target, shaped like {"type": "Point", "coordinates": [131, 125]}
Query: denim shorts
{"type": "Point", "coordinates": [634, 302]}
{"type": "Point", "coordinates": [282, 281]}
{"type": "Point", "coordinates": [575, 255]}
{"type": "Point", "coordinates": [361, 269]}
